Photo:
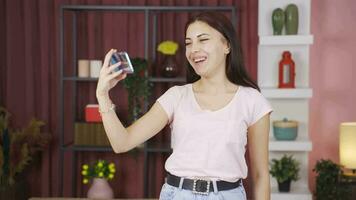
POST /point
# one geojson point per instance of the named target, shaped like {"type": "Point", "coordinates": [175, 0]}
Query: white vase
{"type": "Point", "coordinates": [83, 68]}
{"type": "Point", "coordinates": [100, 189]}
{"type": "Point", "coordinates": [95, 67]}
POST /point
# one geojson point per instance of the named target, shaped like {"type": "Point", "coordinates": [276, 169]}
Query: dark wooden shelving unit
{"type": "Point", "coordinates": [150, 12]}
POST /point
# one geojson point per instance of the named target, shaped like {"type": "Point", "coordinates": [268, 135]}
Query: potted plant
{"type": "Point", "coordinates": [100, 172]}
{"type": "Point", "coordinates": [17, 149]}
{"type": "Point", "coordinates": [285, 170]}
{"type": "Point", "coordinates": [138, 88]}
{"type": "Point", "coordinates": [327, 181]}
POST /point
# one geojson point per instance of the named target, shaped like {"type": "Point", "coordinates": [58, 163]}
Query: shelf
{"type": "Point", "coordinates": [74, 78]}
{"type": "Point", "coordinates": [69, 80]}
{"type": "Point", "coordinates": [287, 40]}
{"type": "Point", "coordinates": [287, 102]}
{"type": "Point", "coordinates": [83, 148]}
{"type": "Point", "coordinates": [158, 148]}
{"type": "Point", "coordinates": [165, 148]}
{"type": "Point", "coordinates": [290, 145]}
{"type": "Point", "coordinates": [294, 194]}
{"type": "Point", "coordinates": [167, 80]}
{"type": "Point", "coordinates": [70, 147]}
{"type": "Point", "coordinates": [295, 93]}
{"type": "Point", "coordinates": [151, 79]}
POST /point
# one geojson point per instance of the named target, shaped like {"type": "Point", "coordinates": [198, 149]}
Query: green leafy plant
{"type": "Point", "coordinates": [286, 168]}
{"type": "Point", "coordinates": [327, 181]}
{"type": "Point", "coordinates": [18, 147]}
{"type": "Point", "coordinates": [138, 88]}
{"type": "Point", "coordinates": [100, 169]}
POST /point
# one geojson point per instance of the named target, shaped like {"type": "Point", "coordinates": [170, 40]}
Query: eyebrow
{"type": "Point", "coordinates": [200, 35]}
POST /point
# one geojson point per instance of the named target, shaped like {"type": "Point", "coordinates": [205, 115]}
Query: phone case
{"type": "Point", "coordinates": [122, 57]}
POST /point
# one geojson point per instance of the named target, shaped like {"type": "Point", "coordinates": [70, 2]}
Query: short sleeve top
{"type": "Point", "coordinates": [211, 144]}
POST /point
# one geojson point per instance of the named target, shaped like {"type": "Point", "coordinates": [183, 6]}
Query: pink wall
{"type": "Point", "coordinates": [332, 77]}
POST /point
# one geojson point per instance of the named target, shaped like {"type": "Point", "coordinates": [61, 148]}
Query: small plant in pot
{"type": "Point", "coordinates": [285, 170]}
{"type": "Point", "coordinates": [19, 148]}
{"type": "Point", "coordinates": [328, 185]}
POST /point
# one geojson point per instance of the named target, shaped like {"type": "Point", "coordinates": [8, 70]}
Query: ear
{"type": "Point", "coordinates": [226, 45]}
{"type": "Point", "coordinates": [227, 48]}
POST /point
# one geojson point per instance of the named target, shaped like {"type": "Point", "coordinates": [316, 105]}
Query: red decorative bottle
{"type": "Point", "coordinates": [286, 71]}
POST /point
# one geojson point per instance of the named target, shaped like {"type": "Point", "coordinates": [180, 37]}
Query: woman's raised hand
{"type": "Point", "coordinates": [108, 77]}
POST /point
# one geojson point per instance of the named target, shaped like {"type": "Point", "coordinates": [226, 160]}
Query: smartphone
{"type": "Point", "coordinates": [122, 57]}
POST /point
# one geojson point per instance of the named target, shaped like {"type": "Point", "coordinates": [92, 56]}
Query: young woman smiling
{"type": "Point", "coordinates": [211, 119]}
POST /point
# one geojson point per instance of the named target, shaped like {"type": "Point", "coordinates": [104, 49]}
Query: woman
{"type": "Point", "coordinates": [211, 119]}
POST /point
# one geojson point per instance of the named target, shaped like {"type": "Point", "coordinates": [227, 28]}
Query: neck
{"type": "Point", "coordinates": [214, 85]}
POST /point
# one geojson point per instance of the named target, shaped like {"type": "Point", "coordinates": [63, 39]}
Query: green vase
{"type": "Point", "coordinates": [291, 16]}
{"type": "Point", "coordinates": [278, 20]}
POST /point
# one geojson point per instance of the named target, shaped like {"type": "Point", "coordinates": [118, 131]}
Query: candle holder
{"type": "Point", "coordinates": [286, 71]}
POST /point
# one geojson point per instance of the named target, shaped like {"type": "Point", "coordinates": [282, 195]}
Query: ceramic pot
{"type": "Point", "coordinates": [284, 186]}
{"type": "Point", "coordinates": [285, 130]}
{"type": "Point", "coordinates": [292, 19]}
{"type": "Point", "coordinates": [169, 66]}
{"type": "Point", "coordinates": [100, 189]}
{"type": "Point", "coordinates": [278, 20]}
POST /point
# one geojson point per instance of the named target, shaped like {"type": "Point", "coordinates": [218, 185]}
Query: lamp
{"type": "Point", "coordinates": [348, 146]}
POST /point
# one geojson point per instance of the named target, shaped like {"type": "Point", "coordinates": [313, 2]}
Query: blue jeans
{"type": "Point", "coordinates": [169, 192]}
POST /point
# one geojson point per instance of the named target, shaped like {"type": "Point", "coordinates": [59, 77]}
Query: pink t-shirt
{"type": "Point", "coordinates": [210, 144]}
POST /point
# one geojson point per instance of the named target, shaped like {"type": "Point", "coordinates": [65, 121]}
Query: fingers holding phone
{"type": "Point", "coordinates": [124, 60]}
{"type": "Point", "coordinates": [115, 67]}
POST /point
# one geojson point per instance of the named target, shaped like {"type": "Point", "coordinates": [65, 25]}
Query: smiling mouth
{"type": "Point", "coordinates": [198, 60]}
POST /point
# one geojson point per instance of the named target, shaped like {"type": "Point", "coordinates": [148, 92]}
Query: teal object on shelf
{"type": "Point", "coordinates": [285, 133]}
{"type": "Point", "coordinates": [285, 130]}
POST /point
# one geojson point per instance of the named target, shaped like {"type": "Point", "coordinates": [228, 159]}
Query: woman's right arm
{"type": "Point", "coordinates": [123, 139]}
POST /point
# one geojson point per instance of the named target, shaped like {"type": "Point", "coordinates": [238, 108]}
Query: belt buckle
{"type": "Point", "coordinates": [198, 183]}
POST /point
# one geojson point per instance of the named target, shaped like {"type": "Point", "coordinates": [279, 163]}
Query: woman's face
{"type": "Point", "coordinates": [205, 49]}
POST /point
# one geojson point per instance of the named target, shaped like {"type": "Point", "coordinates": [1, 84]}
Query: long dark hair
{"type": "Point", "coordinates": [235, 69]}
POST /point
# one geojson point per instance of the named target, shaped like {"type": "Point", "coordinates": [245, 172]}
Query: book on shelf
{"type": "Point", "coordinates": [90, 134]}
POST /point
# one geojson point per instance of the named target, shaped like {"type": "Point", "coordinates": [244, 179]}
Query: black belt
{"type": "Point", "coordinates": [199, 186]}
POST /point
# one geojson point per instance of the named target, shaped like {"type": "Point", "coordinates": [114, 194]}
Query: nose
{"type": "Point", "coordinates": [195, 47]}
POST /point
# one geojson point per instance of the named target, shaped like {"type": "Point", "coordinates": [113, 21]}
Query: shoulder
{"type": "Point", "coordinates": [172, 98]}
{"type": "Point", "coordinates": [252, 96]}
{"type": "Point", "coordinates": [175, 93]}
{"type": "Point", "coordinates": [256, 104]}
{"type": "Point", "coordinates": [179, 90]}
{"type": "Point", "coordinates": [250, 92]}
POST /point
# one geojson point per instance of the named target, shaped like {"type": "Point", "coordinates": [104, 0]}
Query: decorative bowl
{"type": "Point", "coordinates": [285, 129]}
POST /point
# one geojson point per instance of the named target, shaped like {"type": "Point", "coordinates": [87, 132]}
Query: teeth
{"type": "Point", "coordinates": [198, 59]}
